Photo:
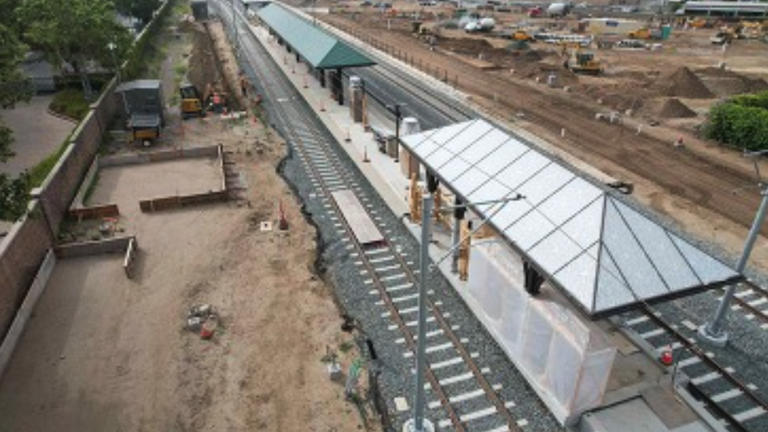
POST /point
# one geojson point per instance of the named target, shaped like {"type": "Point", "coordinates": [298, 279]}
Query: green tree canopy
{"type": "Point", "coordinates": [139, 9]}
{"type": "Point", "coordinates": [74, 31]}
{"type": "Point", "coordinates": [14, 86]}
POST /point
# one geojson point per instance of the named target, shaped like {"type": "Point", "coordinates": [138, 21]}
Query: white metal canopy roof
{"type": "Point", "coordinates": [605, 255]}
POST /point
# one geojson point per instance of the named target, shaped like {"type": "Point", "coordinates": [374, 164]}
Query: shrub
{"type": "Point", "coordinates": [738, 125]}
{"type": "Point", "coordinates": [757, 100]}
{"type": "Point", "coordinates": [70, 103]}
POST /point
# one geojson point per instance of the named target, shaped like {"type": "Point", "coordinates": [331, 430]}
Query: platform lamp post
{"type": "Point", "coordinates": [396, 109]}
{"type": "Point", "coordinates": [714, 332]}
{"type": "Point", "coordinates": [112, 47]}
{"type": "Point", "coordinates": [418, 423]}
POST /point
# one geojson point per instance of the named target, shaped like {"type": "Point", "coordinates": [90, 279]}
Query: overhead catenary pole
{"type": "Point", "coordinates": [418, 423]}
{"type": "Point", "coordinates": [714, 331]}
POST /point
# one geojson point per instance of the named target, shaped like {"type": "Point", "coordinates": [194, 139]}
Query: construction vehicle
{"type": "Point", "coordinates": [581, 62]}
{"type": "Point", "coordinates": [535, 12]}
{"type": "Point", "coordinates": [144, 110]}
{"type": "Point", "coordinates": [698, 23]}
{"type": "Point", "coordinates": [144, 129]}
{"type": "Point", "coordinates": [481, 25]}
{"type": "Point", "coordinates": [558, 9]}
{"type": "Point", "coordinates": [722, 37]}
{"type": "Point", "coordinates": [519, 35]}
{"type": "Point", "coordinates": [191, 102]}
{"type": "Point", "coordinates": [642, 33]}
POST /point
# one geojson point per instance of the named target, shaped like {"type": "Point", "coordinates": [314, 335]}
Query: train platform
{"type": "Point", "coordinates": [637, 383]}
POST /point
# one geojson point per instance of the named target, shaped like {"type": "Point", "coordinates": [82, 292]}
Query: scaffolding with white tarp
{"type": "Point", "coordinates": [566, 361]}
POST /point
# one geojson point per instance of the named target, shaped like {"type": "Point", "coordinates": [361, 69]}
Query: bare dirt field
{"type": "Point", "coordinates": [129, 184]}
{"type": "Point", "coordinates": [693, 186]}
{"type": "Point", "coordinates": [103, 352]}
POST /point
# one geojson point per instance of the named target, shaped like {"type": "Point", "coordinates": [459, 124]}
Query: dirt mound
{"type": "Point", "coordinates": [673, 108]}
{"type": "Point", "coordinates": [725, 83]}
{"type": "Point", "coordinates": [683, 83]}
{"type": "Point", "coordinates": [466, 46]}
{"type": "Point", "coordinates": [202, 68]}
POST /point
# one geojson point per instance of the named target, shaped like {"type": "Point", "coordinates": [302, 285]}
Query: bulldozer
{"type": "Point", "coordinates": [581, 62]}
{"type": "Point", "coordinates": [521, 35]}
{"type": "Point", "coordinates": [191, 102]}
{"type": "Point", "coordinates": [642, 33]}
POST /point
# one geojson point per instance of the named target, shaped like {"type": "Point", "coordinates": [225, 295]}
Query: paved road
{"type": "Point", "coordinates": [36, 132]}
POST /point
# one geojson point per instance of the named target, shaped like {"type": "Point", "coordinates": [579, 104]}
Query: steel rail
{"type": "Point", "coordinates": [394, 314]}
{"type": "Point", "coordinates": [710, 362]}
{"type": "Point", "coordinates": [393, 311]}
{"type": "Point", "coordinates": [762, 315]}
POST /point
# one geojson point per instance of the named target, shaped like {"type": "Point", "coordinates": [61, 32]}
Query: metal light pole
{"type": "Point", "coordinates": [112, 47]}
{"type": "Point", "coordinates": [714, 332]}
{"type": "Point", "coordinates": [418, 423]}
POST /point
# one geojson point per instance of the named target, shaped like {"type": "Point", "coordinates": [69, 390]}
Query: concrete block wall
{"type": "Point", "coordinates": [113, 245]}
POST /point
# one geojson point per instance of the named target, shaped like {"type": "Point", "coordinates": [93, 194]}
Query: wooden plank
{"type": "Point", "coordinates": [353, 212]}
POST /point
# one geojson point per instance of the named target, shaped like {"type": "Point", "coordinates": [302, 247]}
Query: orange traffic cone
{"type": "Point", "coordinates": [666, 358]}
{"type": "Point", "coordinates": [283, 223]}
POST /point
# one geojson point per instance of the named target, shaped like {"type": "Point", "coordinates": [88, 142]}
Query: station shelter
{"type": "Point", "coordinates": [325, 55]}
{"type": "Point", "coordinates": [568, 252]}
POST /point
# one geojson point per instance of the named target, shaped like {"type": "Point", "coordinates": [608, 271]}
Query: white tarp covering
{"type": "Point", "coordinates": [564, 360]}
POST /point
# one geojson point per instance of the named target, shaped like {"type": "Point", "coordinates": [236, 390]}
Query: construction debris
{"type": "Point", "coordinates": [203, 319]}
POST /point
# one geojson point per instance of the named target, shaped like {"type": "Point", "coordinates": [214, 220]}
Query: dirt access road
{"type": "Point", "coordinates": [693, 189]}
{"type": "Point", "coordinates": [104, 353]}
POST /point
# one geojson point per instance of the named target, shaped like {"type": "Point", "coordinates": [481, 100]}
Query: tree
{"type": "Point", "coordinates": [13, 196]}
{"type": "Point", "coordinates": [14, 86]}
{"type": "Point", "coordinates": [75, 32]}
{"type": "Point", "coordinates": [139, 9]}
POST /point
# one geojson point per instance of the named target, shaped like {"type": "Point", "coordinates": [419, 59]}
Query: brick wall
{"type": "Point", "coordinates": [24, 249]}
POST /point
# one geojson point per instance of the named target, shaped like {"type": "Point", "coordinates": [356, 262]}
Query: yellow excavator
{"type": "Point", "coordinates": [580, 62]}
{"type": "Point", "coordinates": [191, 102]}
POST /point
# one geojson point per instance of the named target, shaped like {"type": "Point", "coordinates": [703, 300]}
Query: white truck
{"type": "Point", "coordinates": [481, 25]}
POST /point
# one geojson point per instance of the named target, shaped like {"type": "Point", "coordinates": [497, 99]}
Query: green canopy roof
{"type": "Point", "coordinates": [321, 50]}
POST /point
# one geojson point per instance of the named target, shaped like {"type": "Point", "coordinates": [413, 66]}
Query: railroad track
{"type": "Point", "coordinates": [392, 282]}
{"type": "Point", "coordinates": [387, 86]}
{"type": "Point", "coordinates": [725, 396]}
{"type": "Point", "coordinates": [461, 395]}
{"type": "Point", "coordinates": [733, 403]}
{"type": "Point", "coordinates": [751, 300]}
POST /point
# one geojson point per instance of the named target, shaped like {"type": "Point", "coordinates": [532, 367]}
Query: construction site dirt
{"type": "Point", "coordinates": [103, 352]}
{"type": "Point", "coordinates": [704, 187]}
